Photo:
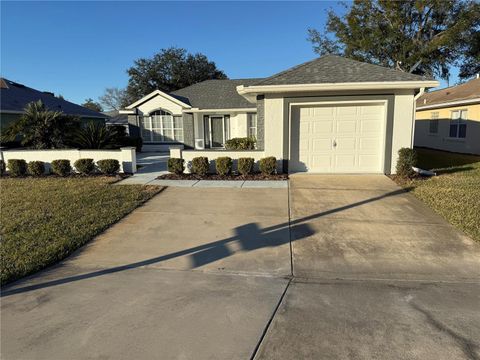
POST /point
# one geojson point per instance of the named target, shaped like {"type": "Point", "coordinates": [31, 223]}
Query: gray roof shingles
{"type": "Point", "coordinates": [14, 97]}
{"type": "Point", "coordinates": [215, 94]}
{"type": "Point", "coordinates": [337, 69]}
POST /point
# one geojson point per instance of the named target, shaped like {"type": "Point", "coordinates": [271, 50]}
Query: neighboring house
{"type": "Point", "coordinates": [449, 119]}
{"type": "Point", "coordinates": [114, 118]}
{"type": "Point", "coordinates": [14, 97]}
{"type": "Point", "coordinates": [329, 115]}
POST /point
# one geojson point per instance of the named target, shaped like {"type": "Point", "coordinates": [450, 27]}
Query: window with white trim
{"type": "Point", "coordinates": [252, 125]}
{"type": "Point", "coordinates": [433, 125]}
{"type": "Point", "coordinates": [458, 124]}
{"type": "Point", "coordinates": [162, 126]}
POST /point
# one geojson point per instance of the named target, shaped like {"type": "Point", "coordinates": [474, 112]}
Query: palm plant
{"type": "Point", "coordinates": [94, 135]}
{"type": "Point", "coordinates": [39, 127]}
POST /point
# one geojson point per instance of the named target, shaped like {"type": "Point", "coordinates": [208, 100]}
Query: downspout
{"type": "Point", "coordinates": [415, 98]}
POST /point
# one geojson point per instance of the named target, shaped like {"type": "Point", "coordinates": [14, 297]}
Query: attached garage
{"type": "Point", "coordinates": [338, 138]}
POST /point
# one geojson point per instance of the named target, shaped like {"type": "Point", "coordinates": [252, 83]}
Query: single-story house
{"type": "Point", "coordinates": [14, 97]}
{"type": "Point", "coordinates": [114, 118]}
{"type": "Point", "coordinates": [449, 119]}
{"type": "Point", "coordinates": [328, 115]}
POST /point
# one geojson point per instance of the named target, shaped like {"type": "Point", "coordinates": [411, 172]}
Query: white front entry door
{"type": "Point", "coordinates": [338, 139]}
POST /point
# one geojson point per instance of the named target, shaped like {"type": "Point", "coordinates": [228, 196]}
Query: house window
{"type": "Point", "coordinates": [433, 125]}
{"type": "Point", "coordinates": [458, 124]}
{"type": "Point", "coordinates": [252, 125]}
{"type": "Point", "coordinates": [162, 126]}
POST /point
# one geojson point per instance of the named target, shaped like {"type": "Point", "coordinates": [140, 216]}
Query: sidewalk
{"type": "Point", "coordinates": [151, 166]}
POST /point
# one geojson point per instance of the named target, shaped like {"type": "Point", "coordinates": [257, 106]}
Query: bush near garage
{"type": "Point", "coordinates": [223, 165]}
{"type": "Point", "coordinates": [268, 165]}
{"type": "Point", "coordinates": [245, 143]}
{"type": "Point", "coordinates": [407, 158]}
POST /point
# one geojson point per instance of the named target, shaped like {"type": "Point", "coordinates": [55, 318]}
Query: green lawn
{"type": "Point", "coordinates": [43, 220]}
{"type": "Point", "coordinates": [455, 192]}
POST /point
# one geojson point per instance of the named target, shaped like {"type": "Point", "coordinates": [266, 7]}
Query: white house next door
{"type": "Point", "coordinates": [338, 138]}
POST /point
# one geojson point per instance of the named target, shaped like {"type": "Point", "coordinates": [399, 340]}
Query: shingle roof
{"type": "Point", "coordinates": [115, 118]}
{"type": "Point", "coordinates": [337, 69]}
{"type": "Point", "coordinates": [215, 94]}
{"type": "Point", "coordinates": [14, 97]}
{"type": "Point", "coordinates": [466, 91]}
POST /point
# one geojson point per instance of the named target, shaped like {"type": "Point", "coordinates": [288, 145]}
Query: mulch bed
{"type": "Point", "coordinates": [255, 176]}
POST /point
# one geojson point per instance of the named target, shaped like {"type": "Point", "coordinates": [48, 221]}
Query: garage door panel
{"type": "Point", "coordinates": [357, 130]}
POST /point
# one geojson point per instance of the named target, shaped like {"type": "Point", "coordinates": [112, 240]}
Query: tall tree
{"type": "Point", "coordinates": [169, 70]}
{"type": "Point", "coordinates": [419, 36]}
{"type": "Point", "coordinates": [471, 66]}
{"type": "Point", "coordinates": [92, 105]}
{"type": "Point", "coordinates": [114, 98]}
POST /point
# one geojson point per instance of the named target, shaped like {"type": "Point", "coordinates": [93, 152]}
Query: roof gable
{"type": "Point", "coordinates": [155, 93]}
{"type": "Point", "coordinates": [337, 69]}
{"type": "Point", "coordinates": [15, 96]}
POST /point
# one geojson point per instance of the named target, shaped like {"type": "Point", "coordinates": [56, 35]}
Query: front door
{"type": "Point", "coordinates": [217, 132]}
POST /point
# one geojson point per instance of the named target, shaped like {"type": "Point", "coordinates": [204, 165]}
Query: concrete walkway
{"type": "Point", "coordinates": [354, 268]}
{"type": "Point", "coordinates": [151, 166]}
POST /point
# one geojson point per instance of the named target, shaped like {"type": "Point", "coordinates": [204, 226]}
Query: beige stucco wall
{"type": "Point", "coordinates": [125, 156]}
{"type": "Point", "coordinates": [399, 127]}
{"type": "Point", "coordinates": [441, 140]}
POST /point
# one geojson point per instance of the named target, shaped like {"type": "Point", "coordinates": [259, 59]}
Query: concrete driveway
{"type": "Point", "coordinates": [207, 274]}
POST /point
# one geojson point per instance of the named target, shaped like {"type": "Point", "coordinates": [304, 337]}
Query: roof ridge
{"type": "Point", "coordinates": [453, 86]}
{"type": "Point", "coordinates": [296, 67]}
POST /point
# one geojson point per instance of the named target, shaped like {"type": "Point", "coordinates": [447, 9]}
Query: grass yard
{"type": "Point", "coordinates": [43, 220]}
{"type": "Point", "coordinates": [455, 192]}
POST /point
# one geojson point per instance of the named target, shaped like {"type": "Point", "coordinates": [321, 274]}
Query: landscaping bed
{"type": "Point", "coordinates": [454, 193]}
{"type": "Point", "coordinates": [254, 176]}
{"type": "Point", "coordinates": [44, 219]}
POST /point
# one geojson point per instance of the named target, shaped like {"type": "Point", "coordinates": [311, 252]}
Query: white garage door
{"type": "Point", "coordinates": [338, 139]}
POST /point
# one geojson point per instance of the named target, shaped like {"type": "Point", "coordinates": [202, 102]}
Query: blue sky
{"type": "Point", "coordinates": [77, 49]}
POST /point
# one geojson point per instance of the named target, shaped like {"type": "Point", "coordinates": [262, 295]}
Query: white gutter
{"type": "Point", "coordinates": [197, 110]}
{"type": "Point", "coordinates": [393, 85]}
{"type": "Point", "coordinates": [449, 104]}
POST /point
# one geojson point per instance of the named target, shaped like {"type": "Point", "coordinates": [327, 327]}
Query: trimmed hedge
{"type": "Point", "coordinates": [17, 167]}
{"type": "Point", "coordinates": [246, 143]}
{"type": "Point", "coordinates": [36, 168]}
{"type": "Point", "coordinates": [223, 165]}
{"type": "Point", "coordinates": [200, 165]}
{"type": "Point", "coordinates": [176, 165]}
{"type": "Point", "coordinates": [268, 165]}
{"type": "Point", "coordinates": [407, 158]}
{"type": "Point", "coordinates": [61, 167]}
{"type": "Point", "coordinates": [84, 166]}
{"type": "Point", "coordinates": [108, 166]}
{"type": "Point", "coordinates": [245, 165]}
{"type": "Point", "coordinates": [2, 167]}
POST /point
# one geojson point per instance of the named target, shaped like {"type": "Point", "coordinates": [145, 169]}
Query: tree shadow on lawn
{"type": "Point", "coordinates": [249, 237]}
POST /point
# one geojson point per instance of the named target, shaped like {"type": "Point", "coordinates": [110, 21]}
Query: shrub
{"type": "Point", "coordinates": [406, 159]}
{"type": "Point", "coordinates": [36, 168]}
{"type": "Point", "coordinates": [61, 167]}
{"type": "Point", "coordinates": [84, 166]}
{"type": "Point", "coordinates": [176, 165]}
{"type": "Point", "coordinates": [223, 165]}
{"type": "Point", "coordinates": [245, 165]}
{"type": "Point", "coordinates": [268, 165]}
{"type": "Point", "coordinates": [135, 141]}
{"type": "Point", "coordinates": [246, 143]}
{"type": "Point", "coordinates": [2, 167]}
{"type": "Point", "coordinates": [17, 167]}
{"type": "Point", "coordinates": [108, 166]}
{"type": "Point", "coordinates": [200, 165]}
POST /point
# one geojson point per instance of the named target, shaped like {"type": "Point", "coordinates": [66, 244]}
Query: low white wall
{"type": "Point", "coordinates": [126, 156]}
{"type": "Point", "coordinates": [188, 155]}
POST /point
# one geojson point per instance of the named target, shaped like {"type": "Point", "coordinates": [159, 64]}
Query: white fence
{"type": "Point", "coordinates": [188, 155]}
{"type": "Point", "coordinates": [126, 156]}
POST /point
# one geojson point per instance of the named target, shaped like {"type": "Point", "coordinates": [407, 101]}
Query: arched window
{"type": "Point", "coordinates": [162, 126]}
